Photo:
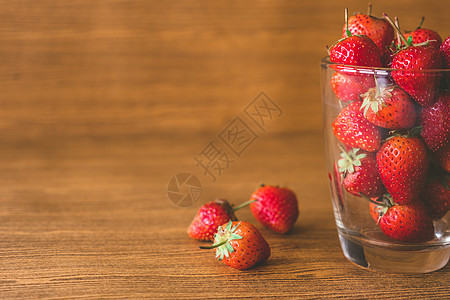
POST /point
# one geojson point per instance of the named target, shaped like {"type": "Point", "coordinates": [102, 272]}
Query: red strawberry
{"type": "Point", "coordinates": [403, 165]}
{"type": "Point", "coordinates": [356, 50]}
{"type": "Point", "coordinates": [377, 29]}
{"type": "Point", "coordinates": [374, 211]}
{"type": "Point", "coordinates": [442, 157]}
{"type": "Point", "coordinates": [407, 223]}
{"type": "Point", "coordinates": [240, 245]}
{"type": "Point", "coordinates": [378, 207]}
{"type": "Point", "coordinates": [421, 86]}
{"type": "Point", "coordinates": [445, 53]}
{"type": "Point", "coordinates": [352, 129]}
{"type": "Point", "coordinates": [348, 87]}
{"type": "Point", "coordinates": [361, 173]}
{"type": "Point", "coordinates": [275, 207]}
{"type": "Point", "coordinates": [389, 107]}
{"type": "Point", "coordinates": [410, 61]}
{"type": "Point", "coordinates": [422, 35]}
{"type": "Point", "coordinates": [436, 196]}
{"type": "Point", "coordinates": [435, 122]}
{"type": "Point", "coordinates": [208, 218]}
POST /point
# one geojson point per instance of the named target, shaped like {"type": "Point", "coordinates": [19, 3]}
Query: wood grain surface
{"type": "Point", "coordinates": [103, 102]}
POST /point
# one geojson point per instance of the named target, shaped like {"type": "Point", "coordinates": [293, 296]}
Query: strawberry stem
{"type": "Point", "coordinates": [369, 9]}
{"type": "Point", "coordinates": [372, 201]}
{"type": "Point", "coordinates": [213, 246]}
{"type": "Point", "coordinates": [421, 22]}
{"type": "Point", "coordinates": [244, 204]}
{"type": "Point", "coordinates": [346, 23]}
{"type": "Point", "coordinates": [399, 40]}
{"type": "Point", "coordinates": [396, 28]}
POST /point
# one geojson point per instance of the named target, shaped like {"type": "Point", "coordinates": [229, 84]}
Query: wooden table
{"type": "Point", "coordinates": [103, 102]}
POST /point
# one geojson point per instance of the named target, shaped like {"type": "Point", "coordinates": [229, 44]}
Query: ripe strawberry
{"type": "Point", "coordinates": [348, 87]}
{"type": "Point", "coordinates": [240, 245]}
{"type": "Point", "coordinates": [360, 173]}
{"type": "Point", "coordinates": [378, 207]}
{"type": "Point", "coordinates": [376, 211]}
{"type": "Point", "coordinates": [377, 29]}
{"type": "Point", "coordinates": [435, 122]}
{"type": "Point", "coordinates": [445, 53]}
{"type": "Point", "coordinates": [356, 50]}
{"type": "Point", "coordinates": [275, 207]}
{"type": "Point", "coordinates": [403, 165]}
{"type": "Point", "coordinates": [389, 107]}
{"type": "Point", "coordinates": [208, 218]}
{"type": "Point", "coordinates": [421, 86]}
{"type": "Point", "coordinates": [410, 61]}
{"type": "Point", "coordinates": [422, 35]}
{"type": "Point", "coordinates": [352, 129]}
{"type": "Point", "coordinates": [442, 157]}
{"type": "Point", "coordinates": [436, 196]}
{"type": "Point", "coordinates": [407, 223]}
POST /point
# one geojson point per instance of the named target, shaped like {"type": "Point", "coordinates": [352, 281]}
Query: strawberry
{"type": "Point", "coordinates": [407, 223]}
{"type": "Point", "coordinates": [375, 211]}
{"type": "Point", "coordinates": [445, 53]}
{"type": "Point", "coordinates": [436, 196]}
{"type": "Point", "coordinates": [378, 207]}
{"type": "Point", "coordinates": [360, 173]}
{"type": "Point", "coordinates": [422, 35]}
{"type": "Point", "coordinates": [435, 122]}
{"type": "Point", "coordinates": [389, 107]}
{"type": "Point", "coordinates": [275, 207]}
{"type": "Point", "coordinates": [410, 62]}
{"type": "Point", "coordinates": [421, 86]}
{"type": "Point", "coordinates": [348, 87]}
{"type": "Point", "coordinates": [403, 166]}
{"type": "Point", "coordinates": [355, 50]}
{"type": "Point", "coordinates": [208, 218]}
{"type": "Point", "coordinates": [377, 29]}
{"type": "Point", "coordinates": [442, 157]}
{"type": "Point", "coordinates": [352, 129]}
{"type": "Point", "coordinates": [240, 245]}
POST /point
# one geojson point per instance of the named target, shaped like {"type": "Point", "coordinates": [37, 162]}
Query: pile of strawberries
{"type": "Point", "coordinates": [393, 125]}
{"type": "Point", "coordinates": [240, 244]}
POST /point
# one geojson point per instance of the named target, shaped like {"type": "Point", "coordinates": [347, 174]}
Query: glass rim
{"type": "Point", "coordinates": [325, 61]}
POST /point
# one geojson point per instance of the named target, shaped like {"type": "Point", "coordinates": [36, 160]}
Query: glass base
{"type": "Point", "coordinates": [393, 260]}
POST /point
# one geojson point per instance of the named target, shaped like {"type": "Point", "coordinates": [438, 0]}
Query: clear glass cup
{"type": "Point", "coordinates": [362, 240]}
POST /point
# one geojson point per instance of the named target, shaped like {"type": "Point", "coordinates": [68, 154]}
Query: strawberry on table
{"type": "Point", "coordinates": [354, 130]}
{"type": "Point", "coordinates": [435, 122]}
{"type": "Point", "coordinates": [240, 245]}
{"type": "Point", "coordinates": [275, 207]}
{"type": "Point", "coordinates": [403, 166]}
{"type": "Point", "coordinates": [209, 217]}
{"type": "Point", "coordinates": [360, 173]}
{"type": "Point", "coordinates": [389, 107]}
